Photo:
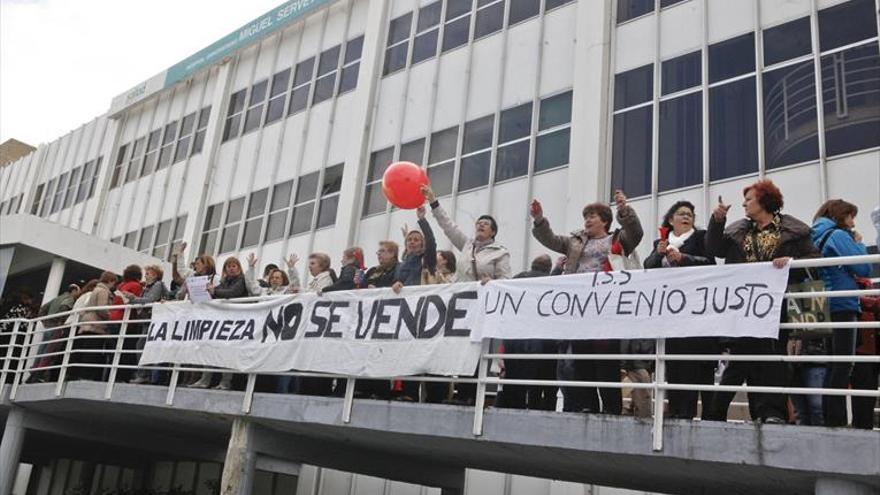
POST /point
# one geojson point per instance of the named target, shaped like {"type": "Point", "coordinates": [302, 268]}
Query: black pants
{"type": "Point", "coordinates": [843, 343]}
{"type": "Point", "coordinates": [309, 385]}
{"type": "Point", "coordinates": [132, 334]}
{"type": "Point", "coordinates": [683, 403]}
{"type": "Point", "coordinates": [756, 374]}
{"type": "Point", "coordinates": [598, 371]}
{"type": "Point", "coordinates": [864, 377]}
{"type": "Point", "coordinates": [522, 396]}
{"type": "Point", "coordinates": [89, 351]}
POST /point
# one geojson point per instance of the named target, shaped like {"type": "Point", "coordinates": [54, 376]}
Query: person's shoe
{"type": "Point", "coordinates": [138, 380]}
{"type": "Point", "coordinates": [200, 384]}
{"type": "Point", "coordinates": [35, 379]}
{"type": "Point", "coordinates": [774, 420]}
{"type": "Point", "coordinates": [223, 386]}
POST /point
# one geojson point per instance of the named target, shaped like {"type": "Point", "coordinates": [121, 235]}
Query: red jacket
{"type": "Point", "coordinates": [130, 286]}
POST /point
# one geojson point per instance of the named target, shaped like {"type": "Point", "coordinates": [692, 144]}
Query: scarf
{"type": "Point", "coordinates": [677, 241]}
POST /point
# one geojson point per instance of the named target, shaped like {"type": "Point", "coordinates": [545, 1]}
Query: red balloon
{"type": "Point", "coordinates": [402, 185]}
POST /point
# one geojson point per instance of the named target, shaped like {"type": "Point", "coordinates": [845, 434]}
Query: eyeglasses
{"type": "Point", "coordinates": [684, 214]}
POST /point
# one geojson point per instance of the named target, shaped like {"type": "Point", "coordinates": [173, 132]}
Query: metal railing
{"type": "Point", "coordinates": [35, 350]}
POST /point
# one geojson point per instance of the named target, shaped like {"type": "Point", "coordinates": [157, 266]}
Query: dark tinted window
{"type": "Point", "coordinates": [681, 73]}
{"type": "Point", "coordinates": [348, 80]}
{"type": "Point", "coordinates": [329, 60]}
{"type": "Point", "coordinates": [732, 57]}
{"type": "Point", "coordinates": [552, 4]}
{"type": "Point", "coordinates": [235, 211]}
{"type": "Point", "coordinates": [633, 87]}
{"type": "Point", "coordinates": [522, 9]}
{"type": "Point", "coordinates": [732, 106]}
{"type": "Point", "coordinates": [489, 20]}
{"type": "Point", "coordinates": [374, 199]}
{"type": "Point", "coordinates": [630, 9]}
{"type": "Point", "coordinates": [395, 58]}
{"type": "Point", "coordinates": [304, 71]}
{"type": "Point", "coordinates": [281, 195]}
{"type": "Point", "coordinates": [413, 151]}
{"type": "Point", "coordinates": [324, 88]}
{"type": "Point", "coordinates": [512, 160]}
{"type": "Point", "coordinates": [258, 92]}
{"type": "Point", "coordinates": [555, 110]}
{"type": "Point", "coordinates": [631, 153]}
{"type": "Point", "coordinates": [327, 212]}
{"type": "Point", "coordinates": [474, 171]}
{"type": "Point", "coordinates": [441, 178]}
{"type": "Point", "coordinates": [515, 123]}
{"type": "Point", "coordinates": [332, 180]}
{"type": "Point", "coordinates": [478, 134]}
{"type": "Point", "coordinates": [257, 204]}
{"type": "Point", "coordinates": [456, 33]}
{"type": "Point", "coordinates": [429, 16]}
{"type": "Point", "coordinates": [425, 46]}
{"type": "Point", "coordinates": [787, 41]}
{"type": "Point", "coordinates": [353, 49]}
{"type": "Point", "coordinates": [443, 145]}
{"type": "Point", "coordinates": [851, 95]}
{"type": "Point", "coordinates": [551, 150]}
{"type": "Point", "coordinates": [681, 142]}
{"type": "Point", "coordinates": [847, 23]}
{"type": "Point", "coordinates": [455, 8]}
{"type": "Point", "coordinates": [279, 82]}
{"type": "Point", "coordinates": [667, 3]}
{"type": "Point", "coordinates": [398, 30]}
{"type": "Point", "coordinates": [307, 188]}
{"type": "Point", "coordinates": [790, 115]}
{"type": "Point", "coordinates": [379, 161]}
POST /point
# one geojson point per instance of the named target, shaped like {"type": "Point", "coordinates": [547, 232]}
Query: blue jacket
{"type": "Point", "coordinates": [839, 243]}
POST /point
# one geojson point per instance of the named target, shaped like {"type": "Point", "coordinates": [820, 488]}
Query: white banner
{"type": "Point", "coordinates": [373, 333]}
{"type": "Point", "coordinates": [743, 300]}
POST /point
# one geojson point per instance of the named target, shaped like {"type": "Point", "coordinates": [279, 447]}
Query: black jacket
{"type": "Point", "coordinates": [345, 280]}
{"type": "Point", "coordinates": [230, 288]}
{"type": "Point", "coordinates": [794, 242]}
{"type": "Point", "coordinates": [693, 252]}
{"type": "Point", "coordinates": [377, 278]}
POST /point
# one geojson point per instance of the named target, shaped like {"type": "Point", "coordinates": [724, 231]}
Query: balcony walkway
{"type": "Point", "coordinates": [432, 444]}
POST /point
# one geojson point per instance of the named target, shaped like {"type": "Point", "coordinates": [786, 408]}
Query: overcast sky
{"type": "Point", "coordinates": [62, 61]}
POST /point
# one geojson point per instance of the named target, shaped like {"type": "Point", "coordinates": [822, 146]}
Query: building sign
{"type": "Point", "coordinates": [256, 30]}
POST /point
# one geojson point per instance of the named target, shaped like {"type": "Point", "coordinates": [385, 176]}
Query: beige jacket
{"type": "Point", "coordinates": [319, 281]}
{"type": "Point", "coordinates": [100, 296]}
{"type": "Point", "coordinates": [493, 260]}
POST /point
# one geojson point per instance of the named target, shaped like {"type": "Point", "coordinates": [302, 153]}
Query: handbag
{"type": "Point", "coordinates": [812, 310]}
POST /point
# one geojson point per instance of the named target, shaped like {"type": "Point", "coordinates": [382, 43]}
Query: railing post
{"type": "Point", "coordinates": [8, 356]}
{"type": "Point", "coordinates": [249, 393]}
{"type": "Point", "coordinates": [480, 399]}
{"type": "Point", "coordinates": [22, 358]}
{"type": "Point", "coordinates": [659, 393]}
{"type": "Point", "coordinates": [65, 359]}
{"type": "Point", "coordinates": [120, 343]}
{"type": "Point", "coordinates": [172, 384]}
{"type": "Point", "coordinates": [348, 401]}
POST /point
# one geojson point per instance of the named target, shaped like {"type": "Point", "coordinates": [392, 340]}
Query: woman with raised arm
{"type": "Point", "coordinates": [766, 234]}
{"type": "Point", "coordinates": [278, 282]}
{"type": "Point", "coordinates": [588, 250]}
{"type": "Point", "coordinates": [682, 244]}
{"type": "Point", "coordinates": [482, 257]}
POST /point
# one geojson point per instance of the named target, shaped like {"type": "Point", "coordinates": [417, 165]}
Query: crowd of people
{"type": "Point", "coordinates": [765, 234]}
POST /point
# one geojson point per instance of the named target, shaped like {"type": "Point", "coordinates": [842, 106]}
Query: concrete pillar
{"type": "Point", "coordinates": [238, 468]}
{"type": "Point", "coordinates": [834, 486]}
{"type": "Point", "coordinates": [56, 276]}
{"type": "Point", "coordinates": [10, 449]}
{"type": "Point", "coordinates": [6, 255]}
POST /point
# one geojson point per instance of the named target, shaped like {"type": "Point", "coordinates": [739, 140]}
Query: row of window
{"type": "Point", "coordinates": [161, 147]}
{"type": "Point", "coordinates": [504, 140]}
{"type": "Point", "coordinates": [10, 206]}
{"type": "Point", "coordinates": [156, 240]}
{"type": "Point", "coordinates": [68, 189]}
{"type": "Point", "coordinates": [315, 79]}
{"type": "Point", "coordinates": [283, 210]}
{"type": "Point", "coordinates": [446, 24]}
{"type": "Point", "coordinates": [850, 103]}
{"type": "Point", "coordinates": [630, 9]}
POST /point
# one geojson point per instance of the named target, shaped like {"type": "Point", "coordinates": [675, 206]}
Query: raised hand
{"type": "Point", "coordinates": [720, 211]}
{"type": "Point", "coordinates": [619, 199]}
{"type": "Point", "coordinates": [291, 260]}
{"type": "Point", "coordinates": [781, 262]}
{"type": "Point", "coordinates": [662, 244]}
{"type": "Point", "coordinates": [179, 248]}
{"type": "Point", "coordinates": [428, 193]}
{"type": "Point", "coordinates": [252, 260]}
{"type": "Point", "coordinates": [536, 210]}
{"type": "Point", "coordinates": [420, 212]}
